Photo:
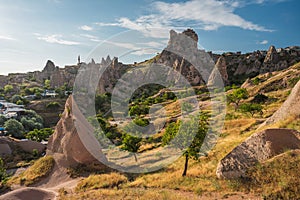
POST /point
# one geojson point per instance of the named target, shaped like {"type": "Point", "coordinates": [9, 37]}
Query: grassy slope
{"type": "Point", "coordinates": [201, 179]}
{"type": "Point", "coordinates": [40, 169]}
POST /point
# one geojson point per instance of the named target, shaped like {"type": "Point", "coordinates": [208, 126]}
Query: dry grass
{"type": "Point", "coordinates": [201, 178]}
{"type": "Point", "coordinates": [130, 194]}
{"type": "Point", "coordinates": [277, 178]}
{"type": "Point", "coordinates": [34, 173]}
{"type": "Point", "coordinates": [101, 181]}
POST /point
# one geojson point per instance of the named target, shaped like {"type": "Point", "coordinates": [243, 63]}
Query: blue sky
{"type": "Point", "coordinates": [34, 31]}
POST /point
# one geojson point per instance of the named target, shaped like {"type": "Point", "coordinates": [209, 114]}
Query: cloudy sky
{"type": "Point", "coordinates": [34, 31]}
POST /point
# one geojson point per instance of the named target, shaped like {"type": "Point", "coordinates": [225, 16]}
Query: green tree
{"type": "Point", "coordinates": [53, 105]}
{"type": "Point", "coordinates": [14, 128]}
{"type": "Point", "coordinates": [251, 108]}
{"type": "Point", "coordinates": [16, 98]}
{"type": "Point", "coordinates": [131, 139]}
{"type": "Point", "coordinates": [188, 134]}
{"type": "Point", "coordinates": [103, 103]}
{"type": "Point", "coordinates": [47, 84]}
{"type": "Point", "coordinates": [8, 88]}
{"type": "Point", "coordinates": [236, 96]}
{"type": "Point", "coordinates": [131, 143]}
{"type": "Point", "coordinates": [39, 135]}
{"type": "Point", "coordinates": [3, 119]}
{"type": "Point", "coordinates": [138, 110]}
{"type": "Point", "coordinates": [256, 81]}
{"type": "Point", "coordinates": [30, 124]}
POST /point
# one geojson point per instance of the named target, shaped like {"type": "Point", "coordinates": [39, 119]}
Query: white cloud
{"type": "Point", "coordinates": [208, 14]}
{"type": "Point", "coordinates": [141, 52]}
{"type": "Point", "coordinates": [91, 37]}
{"type": "Point", "coordinates": [86, 28]}
{"type": "Point", "coordinates": [6, 37]}
{"type": "Point", "coordinates": [264, 42]}
{"type": "Point", "coordinates": [205, 14]}
{"type": "Point", "coordinates": [155, 44]}
{"type": "Point", "coordinates": [125, 45]}
{"type": "Point", "coordinates": [55, 39]}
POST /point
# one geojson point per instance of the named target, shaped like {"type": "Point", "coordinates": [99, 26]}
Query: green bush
{"type": "Point", "coordinates": [3, 119]}
{"type": "Point", "coordinates": [40, 135]}
{"type": "Point", "coordinates": [256, 81]}
{"type": "Point", "coordinates": [236, 96]}
{"type": "Point", "coordinates": [8, 88]}
{"type": "Point", "coordinates": [138, 110]}
{"type": "Point", "coordinates": [251, 108]}
{"type": "Point", "coordinates": [31, 123]}
{"type": "Point", "coordinates": [53, 105]}
{"type": "Point", "coordinates": [14, 128]}
{"type": "Point", "coordinates": [16, 98]}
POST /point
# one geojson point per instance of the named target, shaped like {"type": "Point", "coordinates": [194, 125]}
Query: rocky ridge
{"type": "Point", "coordinates": [183, 55]}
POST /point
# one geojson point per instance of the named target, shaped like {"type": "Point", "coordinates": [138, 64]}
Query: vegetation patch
{"type": "Point", "coordinates": [40, 169]}
{"type": "Point", "coordinates": [277, 178]}
{"type": "Point", "coordinates": [94, 182]}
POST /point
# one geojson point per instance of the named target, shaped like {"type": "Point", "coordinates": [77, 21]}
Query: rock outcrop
{"type": "Point", "coordinates": [219, 72]}
{"type": "Point", "coordinates": [257, 148]}
{"type": "Point", "coordinates": [288, 109]}
{"type": "Point", "coordinates": [67, 140]}
{"type": "Point", "coordinates": [272, 56]}
{"type": "Point", "coordinates": [259, 62]}
{"type": "Point", "coordinates": [8, 146]}
{"type": "Point", "coordinates": [182, 54]}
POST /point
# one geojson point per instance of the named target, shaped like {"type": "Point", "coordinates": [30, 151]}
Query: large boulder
{"type": "Point", "coordinates": [257, 148]}
{"type": "Point", "coordinates": [288, 109]}
{"type": "Point", "coordinates": [68, 138]}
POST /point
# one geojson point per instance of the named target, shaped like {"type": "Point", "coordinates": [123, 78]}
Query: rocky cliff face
{"type": "Point", "coordinates": [240, 66]}
{"type": "Point", "coordinates": [183, 55]}
{"type": "Point", "coordinates": [67, 138]}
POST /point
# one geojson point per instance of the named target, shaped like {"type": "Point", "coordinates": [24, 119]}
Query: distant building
{"type": "Point", "coordinates": [49, 93]}
{"type": "Point", "coordinates": [11, 110]}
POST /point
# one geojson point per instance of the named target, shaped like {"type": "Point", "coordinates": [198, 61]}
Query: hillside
{"type": "Point", "coordinates": [247, 158]}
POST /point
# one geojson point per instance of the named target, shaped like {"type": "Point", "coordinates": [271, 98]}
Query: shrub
{"type": "Point", "coordinates": [256, 81]}
{"type": "Point", "coordinates": [31, 123]}
{"type": "Point", "coordinates": [236, 96]}
{"type": "Point", "coordinates": [16, 98]}
{"type": "Point", "coordinates": [137, 110]}
{"type": "Point", "coordinates": [260, 98]}
{"type": "Point", "coordinates": [251, 108]}
{"type": "Point", "coordinates": [3, 119]}
{"type": "Point", "coordinates": [8, 88]}
{"type": "Point", "coordinates": [39, 135]}
{"type": "Point", "coordinates": [14, 128]}
{"type": "Point", "coordinates": [53, 105]}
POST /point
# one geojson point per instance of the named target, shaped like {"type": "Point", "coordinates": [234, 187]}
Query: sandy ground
{"type": "Point", "coordinates": [29, 194]}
